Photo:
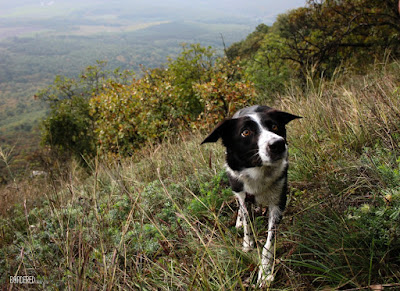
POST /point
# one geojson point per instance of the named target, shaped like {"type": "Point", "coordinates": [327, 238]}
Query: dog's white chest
{"type": "Point", "coordinates": [262, 182]}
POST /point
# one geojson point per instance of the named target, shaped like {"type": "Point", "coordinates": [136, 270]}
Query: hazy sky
{"type": "Point", "coordinates": [256, 8]}
{"type": "Point", "coordinates": [281, 4]}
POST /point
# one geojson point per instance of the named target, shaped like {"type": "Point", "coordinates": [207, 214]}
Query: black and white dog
{"type": "Point", "coordinates": [257, 165]}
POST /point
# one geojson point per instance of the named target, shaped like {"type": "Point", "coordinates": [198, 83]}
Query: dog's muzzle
{"type": "Point", "coordinates": [277, 148]}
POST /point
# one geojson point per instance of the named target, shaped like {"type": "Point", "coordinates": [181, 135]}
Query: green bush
{"type": "Point", "coordinates": [194, 91]}
{"type": "Point", "coordinates": [267, 70]}
{"type": "Point", "coordinates": [69, 127]}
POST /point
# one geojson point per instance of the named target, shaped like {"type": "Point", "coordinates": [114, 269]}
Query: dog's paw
{"type": "Point", "coordinates": [239, 223]}
{"type": "Point", "coordinates": [248, 245]}
{"type": "Point", "coordinates": [247, 249]}
{"type": "Point", "coordinates": [265, 279]}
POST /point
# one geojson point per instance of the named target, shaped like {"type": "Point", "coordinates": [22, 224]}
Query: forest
{"type": "Point", "coordinates": [129, 199]}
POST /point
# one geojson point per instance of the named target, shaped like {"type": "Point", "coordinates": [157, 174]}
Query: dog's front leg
{"type": "Point", "coordinates": [265, 274]}
{"type": "Point", "coordinates": [242, 221]}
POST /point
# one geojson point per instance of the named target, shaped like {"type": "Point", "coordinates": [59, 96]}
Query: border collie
{"type": "Point", "coordinates": [257, 165]}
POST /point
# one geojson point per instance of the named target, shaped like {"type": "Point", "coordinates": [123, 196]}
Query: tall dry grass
{"type": "Point", "coordinates": [342, 118]}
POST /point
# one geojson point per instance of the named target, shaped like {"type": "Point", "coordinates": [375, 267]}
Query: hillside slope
{"type": "Point", "coordinates": [130, 200]}
{"type": "Point", "coordinates": [164, 218]}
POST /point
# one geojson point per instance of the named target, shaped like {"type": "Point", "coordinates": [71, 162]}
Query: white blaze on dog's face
{"type": "Point", "coordinates": [271, 146]}
{"type": "Point", "coordinates": [254, 137]}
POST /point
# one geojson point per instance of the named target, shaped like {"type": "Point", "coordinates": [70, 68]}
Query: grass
{"type": "Point", "coordinates": [164, 218]}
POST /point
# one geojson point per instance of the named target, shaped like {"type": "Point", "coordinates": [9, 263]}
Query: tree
{"type": "Point", "coordinates": [267, 69]}
{"type": "Point", "coordinates": [247, 48]}
{"type": "Point", "coordinates": [327, 33]}
{"type": "Point", "coordinates": [193, 65]}
{"type": "Point", "coordinates": [223, 94]}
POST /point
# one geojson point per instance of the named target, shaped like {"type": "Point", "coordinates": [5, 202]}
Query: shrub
{"type": "Point", "coordinates": [194, 91]}
{"type": "Point", "coordinates": [69, 128]}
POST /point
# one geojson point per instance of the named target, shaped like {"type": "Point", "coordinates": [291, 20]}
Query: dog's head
{"type": "Point", "coordinates": [254, 137]}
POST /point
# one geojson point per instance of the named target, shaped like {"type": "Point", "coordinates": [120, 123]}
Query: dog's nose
{"type": "Point", "coordinates": [277, 147]}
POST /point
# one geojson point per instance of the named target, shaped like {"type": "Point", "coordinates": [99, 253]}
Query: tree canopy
{"type": "Point", "coordinates": [314, 40]}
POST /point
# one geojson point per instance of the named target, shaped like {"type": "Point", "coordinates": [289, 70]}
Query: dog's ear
{"type": "Point", "coordinates": [283, 117]}
{"type": "Point", "coordinates": [218, 131]}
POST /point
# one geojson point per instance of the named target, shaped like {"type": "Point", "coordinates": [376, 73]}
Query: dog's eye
{"type": "Point", "coordinates": [246, 132]}
{"type": "Point", "coordinates": [274, 127]}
